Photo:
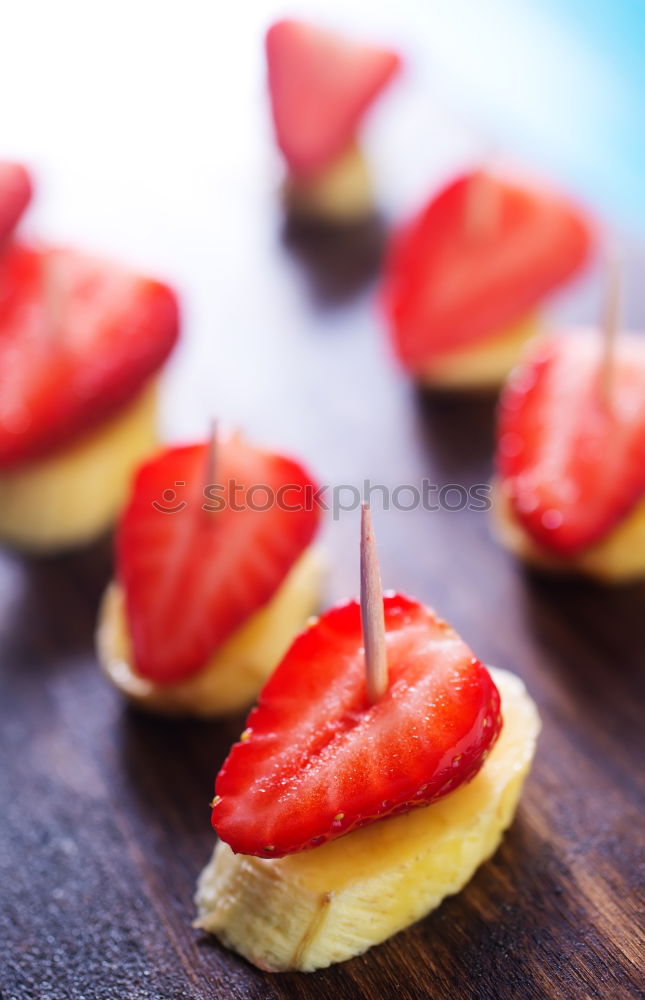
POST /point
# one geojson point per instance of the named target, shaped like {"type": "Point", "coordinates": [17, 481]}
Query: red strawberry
{"type": "Point", "coordinates": [321, 85]}
{"type": "Point", "coordinates": [446, 286]}
{"type": "Point", "coordinates": [191, 577]}
{"type": "Point", "coordinates": [78, 338]}
{"type": "Point", "coordinates": [15, 194]}
{"type": "Point", "coordinates": [571, 464]}
{"type": "Point", "coordinates": [318, 760]}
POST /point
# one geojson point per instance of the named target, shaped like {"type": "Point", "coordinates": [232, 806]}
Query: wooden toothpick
{"type": "Point", "coordinates": [372, 616]}
{"type": "Point", "coordinates": [211, 455]}
{"type": "Point", "coordinates": [610, 326]}
{"type": "Point", "coordinates": [52, 297]}
{"type": "Point", "coordinates": [210, 470]}
{"type": "Point", "coordinates": [482, 205]}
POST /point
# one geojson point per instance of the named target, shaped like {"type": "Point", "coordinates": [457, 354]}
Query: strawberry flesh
{"type": "Point", "coordinates": [320, 86]}
{"type": "Point", "coordinates": [445, 287]}
{"type": "Point", "coordinates": [192, 576]}
{"type": "Point", "coordinates": [78, 339]}
{"type": "Point", "coordinates": [318, 760]}
{"type": "Point", "coordinates": [572, 463]}
{"type": "Point", "coordinates": [15, 194]}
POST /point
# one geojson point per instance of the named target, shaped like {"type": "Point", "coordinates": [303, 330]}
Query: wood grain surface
{"type": "Point", "coordinates": [105, 821]}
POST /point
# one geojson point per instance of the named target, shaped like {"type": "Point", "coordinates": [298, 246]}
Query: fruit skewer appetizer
{"type": "Point", "coordinates": [462, 279]}
{"type": "Point", "coordinates": [215, 575]}
{"type": "Point", "coordinates": [81, 343]}
{"type": "Point", "coordinates": [570, 492]}
{"type": "Point", "coordinates": [320, 86]}
{"type": "Point", "coordinates": [374, 776]}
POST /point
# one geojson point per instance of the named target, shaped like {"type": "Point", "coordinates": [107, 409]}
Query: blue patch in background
{"type": "Point", "coordinates": [561, 82]}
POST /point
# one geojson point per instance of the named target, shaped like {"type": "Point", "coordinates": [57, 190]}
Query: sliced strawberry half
{"type": "Point", "coordinates": [15, 195]}
{"type": "Point", "coordinates": [320, 85]}
{"type": "Point", "coordinates": [448, 284]}
{"type": "Point", "coordinates": [78, 338]}
{"type": "Point", "coordinates": [572, 463]}
{"type": "Point", "coordinates": [317, 760]}
{"type": "Point", "coordinates": [192, 576]}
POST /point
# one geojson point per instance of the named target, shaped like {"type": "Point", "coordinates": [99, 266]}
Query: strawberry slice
{"type": "Point", "coordinates": [446, 286]}
{"type": "Point", "coordinates": [78, 339]}
{"type": "Point", "coordinates": [192, 576]}
{"type": "Point", "coordinates": [15, 194]}
{"type": "Point", "coordinates": [320, 85]}
{"type": "Point", "coordinates": [571, 464]}
{"type": "Point", "coordinates": [317, 760]}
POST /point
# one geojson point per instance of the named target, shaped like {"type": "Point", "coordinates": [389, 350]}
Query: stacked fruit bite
{"type": "Point", "coordinates": [215, 574]}
{"type": "Point", "coordinates": [374, 776]}
{"type": "Point", "coordinates": [320, 86]}
{"type": "Point", "coordinates": [463, 278]}
{"type": "Point", "coordinates": [81, 342]}
{"type": "Point", "coordinates": [570, 493]}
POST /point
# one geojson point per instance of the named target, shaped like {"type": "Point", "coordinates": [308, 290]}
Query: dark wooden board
{"type": "Point", "coordinates": [105, 820]}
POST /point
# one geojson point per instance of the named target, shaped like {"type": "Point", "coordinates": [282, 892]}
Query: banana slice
{"type": "Point", "coordinates": [341, 193]}
{"type": "Point", "coordinates": [484, 365]}
{"type": "Point", "coordinates": [72, 497]}
{"type": "Point", "coordinates": [235, 673]}
{"type": "Point", "coordinates": [309, 910]}
{"type": "Point", "coordinates": [618, 558]}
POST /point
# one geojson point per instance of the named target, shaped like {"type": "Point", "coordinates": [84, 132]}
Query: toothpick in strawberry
{"type": "Point", "coordinates": [464, 277]}
{"type": "Point", "coordinates": [321, 85]}
{"type": "Point", "coordinates": [570, 493]}
{"type": "Point", "coordinates": [372, 779]}
{"type": "Point", "coordinates": [82, 341]}
{"type": "Point", "coordinates": [215, 574]}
